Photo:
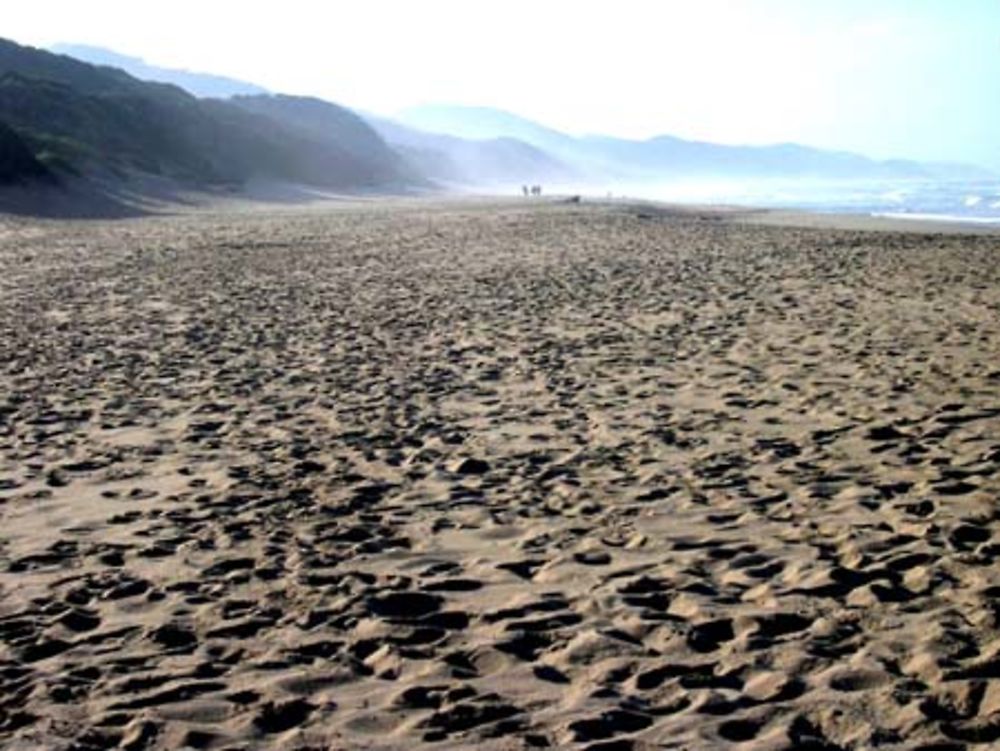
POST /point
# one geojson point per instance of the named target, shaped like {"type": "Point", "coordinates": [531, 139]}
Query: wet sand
{"type": "Point", "coordinates": [497, 476]}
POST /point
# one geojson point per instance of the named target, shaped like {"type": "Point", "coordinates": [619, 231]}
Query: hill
{"type": "Point", "coordinates": [450, 160]}
{"type": "Point", "coordinates": [205, 85]}
{"type": "Point", "coordinates": [17, 161]}
{"type": "Point", "coordinates": [666, 157]}
{"type": "Point", "coordinates": [471, 162]}
{"type": "Point", "coordinates": [484, 123]}
{"type": "Point", "coordinates": [336, 132]}
{"type": "Point", "coordinates": [81, 119]}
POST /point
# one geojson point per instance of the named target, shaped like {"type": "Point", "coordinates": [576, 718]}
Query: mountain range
{"type": "Point", "coordinates": [494, 161]}
{"type": "Point", "coordinates": [117, 120]}
{"type": "Point", "coordinates": [600, 157]}
{"type": "Point", "coordinates": [99, 123]}
{"type": "Point", "coordinates": [203, 85]}
{"type": "Point", "coordinates": [448, 160]}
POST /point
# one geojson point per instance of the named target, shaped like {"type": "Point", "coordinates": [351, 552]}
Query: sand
{"type": "Point", "coordinates": [497, 476]}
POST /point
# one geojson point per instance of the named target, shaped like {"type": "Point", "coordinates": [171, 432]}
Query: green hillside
{"type": "Point", "coordinates": [17, 161]}
{"type": "Point", "coordinates": [93, 120]}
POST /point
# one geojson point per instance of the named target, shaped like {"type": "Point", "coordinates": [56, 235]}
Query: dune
{"type": "Point", "coordinates": [497, 475]}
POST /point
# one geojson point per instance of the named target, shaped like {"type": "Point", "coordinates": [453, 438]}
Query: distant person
{"type": "Point", "coordinates": [524, 189]}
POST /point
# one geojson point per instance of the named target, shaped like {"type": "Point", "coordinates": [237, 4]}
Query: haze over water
{"type": "Point", "coordinates": [950, 200]}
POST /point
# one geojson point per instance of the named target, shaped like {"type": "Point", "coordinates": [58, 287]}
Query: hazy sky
{"type": "Point", "coordinates": [908, 78]}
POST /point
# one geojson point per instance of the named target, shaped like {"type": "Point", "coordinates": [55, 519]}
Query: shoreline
{"type": "Point", "coordinates": [870, 222]}
{"type": "Point", "coordinates": [164, 198]}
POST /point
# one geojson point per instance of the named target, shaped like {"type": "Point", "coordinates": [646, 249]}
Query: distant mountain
{"type": "Point", "coordinates": [87, 127]}
{"type": "Point", "coordinates": [470, 162]}
{"type": "Point", "coordinates": [668, 157]}
{"type": "Point", "coordinates": [77, 118]}
{"type": "Point", "coordinates": [484, 123]}
{"type": "Point", "coordinates": [203, 85]}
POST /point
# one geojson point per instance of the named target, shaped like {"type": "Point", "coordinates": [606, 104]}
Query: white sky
{"type": "Point", "coordinates": [907, 78]}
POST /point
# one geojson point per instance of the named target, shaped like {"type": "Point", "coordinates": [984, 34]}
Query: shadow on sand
{"type": "Point", "coordinates": [137, 196]}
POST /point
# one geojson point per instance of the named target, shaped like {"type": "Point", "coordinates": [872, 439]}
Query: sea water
{"type": "Point", "coordinates": [956, 200]}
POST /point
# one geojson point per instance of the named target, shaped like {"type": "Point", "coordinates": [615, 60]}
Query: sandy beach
{"type": "Point", "coordinates": [497, 476]}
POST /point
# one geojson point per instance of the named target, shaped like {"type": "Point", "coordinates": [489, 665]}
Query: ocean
{"type": "Point", "coordinates": [975, 201]}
